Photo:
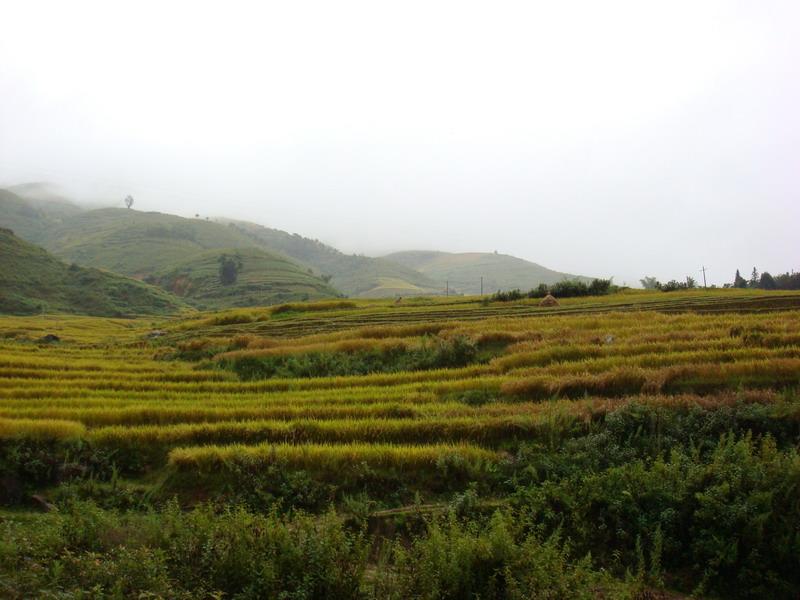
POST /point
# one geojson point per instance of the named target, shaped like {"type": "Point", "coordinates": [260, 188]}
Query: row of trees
{"type": "Point", "coordinates": [561, 289]}
{"type": "Point", "coordinates": [651, 283]}
{"type": "Point", "coordinates": [765, 281]}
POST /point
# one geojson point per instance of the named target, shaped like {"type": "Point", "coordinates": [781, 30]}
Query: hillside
{"type": "Point", "coordinates": [464, 270]}
{"type": "Point", "coordinates": [358, 276]}
{"type": "Point", "coordinates": [32, 281]}
{"type": "Point", "coordinates": [32, 218]}
{"type": "Point", "coordinates": [254, 278]}
{"type": "Point", "coordinates": [137, 243]}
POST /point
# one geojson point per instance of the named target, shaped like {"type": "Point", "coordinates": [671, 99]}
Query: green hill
{"type": "Point", "coordinates": [357, 276]}
{"type": "Point", "coordinates": [32, 281]}
{"type": "Point", "coordinates": [253, 278]}
{"type": "Point", "coordinates": [142, 244]}
{"type": "Point", "coordinates": [463, 271]}
{"type": "Point", "coordinates": [137, 243]}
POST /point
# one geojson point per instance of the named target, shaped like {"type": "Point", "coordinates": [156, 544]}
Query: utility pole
{"type": "Point", "coordinates": [704, 276]}
{"type": "Point", "coordinates": [481, 285]}
{"type": "Point", "coordinates": [447, 288]}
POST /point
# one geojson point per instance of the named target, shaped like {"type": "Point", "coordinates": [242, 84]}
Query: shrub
{"type": "Point", "coordinates": [432, 353]}
{"type": "Point", "coordinates": [728, 517]}
{"type": "Point", "coordinates": [457, 560]}
{"type": "Point", "coordinates": [87, 552]}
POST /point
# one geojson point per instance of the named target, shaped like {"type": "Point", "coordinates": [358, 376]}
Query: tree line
{"type": "Point", "coordinates": [765, 281]}
{"type": "Point", "coordinates": [561, 289]}
{"type": "Point", "coordinates": [762, 281]}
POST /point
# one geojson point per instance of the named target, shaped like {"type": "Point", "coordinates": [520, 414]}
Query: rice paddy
{"type": "Point", "coordinates": [397, 404]}
{"type": "Point", "coordinates": [115, 385]}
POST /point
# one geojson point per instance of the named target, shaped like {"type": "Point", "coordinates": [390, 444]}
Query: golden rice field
{"type": "Point", "coordinates": [173, 402]}
{"type": "Point", "coordinates": [635, 445]}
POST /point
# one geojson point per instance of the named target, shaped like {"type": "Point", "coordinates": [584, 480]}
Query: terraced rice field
{"type": "Point", "coordinates": [531, 372]}
{"type": "Point", "coordinates": [612, 447]}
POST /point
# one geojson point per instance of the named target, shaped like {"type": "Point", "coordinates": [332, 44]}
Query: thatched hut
{"type": "Point", "coordinates": [548, 300]}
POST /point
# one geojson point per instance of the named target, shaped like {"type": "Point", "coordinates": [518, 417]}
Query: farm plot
{"type": "Point", "coordinates": [310, 406]}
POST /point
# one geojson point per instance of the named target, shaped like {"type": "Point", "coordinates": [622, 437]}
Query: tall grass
{"type": "Point", "coordinates": [330, 458]}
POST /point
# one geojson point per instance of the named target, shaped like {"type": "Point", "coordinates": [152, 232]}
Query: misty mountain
{"type": "Point", "coordinates": [32, 218]}
{"type": "Point", "coordinates": [166, 248]}
{"type": "Point", "coordinates": [150, 244]}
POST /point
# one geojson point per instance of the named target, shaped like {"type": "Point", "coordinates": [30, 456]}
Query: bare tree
{"type": "Point", "coordinates": [128, 200]}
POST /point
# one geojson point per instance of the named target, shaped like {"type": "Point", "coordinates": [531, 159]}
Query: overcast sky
{"type": "Point", "coordinates": [600, 138]}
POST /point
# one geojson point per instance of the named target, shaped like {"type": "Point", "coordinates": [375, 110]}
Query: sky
{"type": "Point", "coordinates": [615, 138]}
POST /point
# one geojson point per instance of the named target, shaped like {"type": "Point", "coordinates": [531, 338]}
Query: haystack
{"type": "Point", "coordinates": [548, 300]}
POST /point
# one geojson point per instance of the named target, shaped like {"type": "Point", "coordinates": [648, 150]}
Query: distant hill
{"type": "Point", "coordinates": [33, 218]}
{"type": "Point", "coordinates": [360, 276]}
{"type": "Point", "coordinates": [32, 281]}
{"type": "Point", "coordinates": [463, 271]}
{"type": "Point", "coordinates": [157, 246]}
{"type": "Point", "coordinates": [260, 279]}
{"type": "Point", "coordinates": [47, 198]}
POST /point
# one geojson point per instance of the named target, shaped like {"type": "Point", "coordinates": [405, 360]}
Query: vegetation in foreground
{"type": "Point", "coordinates": [630, 445]}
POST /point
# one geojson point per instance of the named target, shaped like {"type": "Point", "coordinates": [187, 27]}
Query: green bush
{"type": "Point", "coordinates": [86, 552]}
{"type": "Point", "coordinates": [433, 353]}
{"type": "Point", "coordinates": [455, 559]}
{"type": "Point", "coordinates": [27, 465]}
{"type": "Point", "coordinates": [729, 517]}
